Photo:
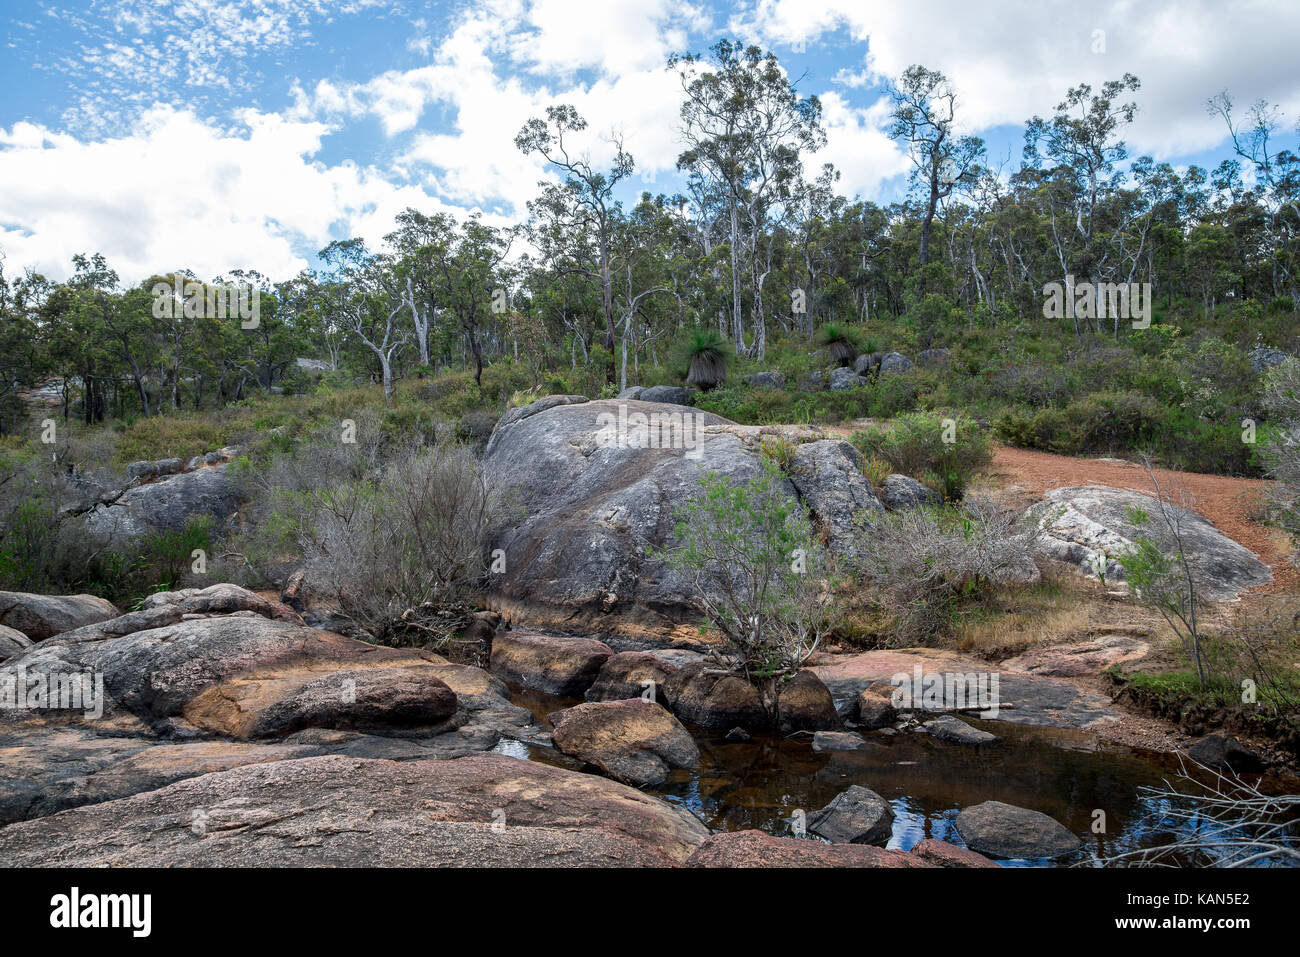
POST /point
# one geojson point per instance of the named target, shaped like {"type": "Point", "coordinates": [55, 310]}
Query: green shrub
{"type": "Point", "coordinates": [944, 452]}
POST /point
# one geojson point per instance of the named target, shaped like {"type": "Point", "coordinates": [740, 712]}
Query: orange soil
{"type": "Point", "coordinates": [1227, 502]}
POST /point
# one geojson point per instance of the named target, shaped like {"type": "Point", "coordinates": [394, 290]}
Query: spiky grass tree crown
{"type": "Point", "coordinates": [842, 341]}
{"type": "Point", "coordinates": [706, 360]}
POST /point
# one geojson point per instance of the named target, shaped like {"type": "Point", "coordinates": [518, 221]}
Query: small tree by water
{"type": "Point", "coordinates": [760, 577]}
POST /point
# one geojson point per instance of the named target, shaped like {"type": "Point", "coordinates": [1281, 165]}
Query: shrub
{"type": "Point", "coordinates": [944, 452]}
{"type": "Point", "coordinates": [396, 547]}
{"type": "Point", "coordinates": [924, 562]}
{"type": "Point", "coordinates": [749, 550]}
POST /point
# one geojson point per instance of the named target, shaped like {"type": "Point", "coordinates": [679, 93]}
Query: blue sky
{"type": "Point", "coordinates": [220, 134]}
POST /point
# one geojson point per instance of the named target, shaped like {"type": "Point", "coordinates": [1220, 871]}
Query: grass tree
{"type": "Point", "coordinates": [706, 360]}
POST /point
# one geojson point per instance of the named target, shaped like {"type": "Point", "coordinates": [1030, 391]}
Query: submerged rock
{"type": "Point", "coordinates": [1004, 830]}
{"type": "Point", "coordinates": [824, 741]}
{"type": "Point", "coordinates": [632, 741]}
{"type": "Point", "coordinates": [856, 816]}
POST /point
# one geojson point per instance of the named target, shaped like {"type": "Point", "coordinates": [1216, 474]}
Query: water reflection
{"type": "Point", "coordinates": [1065, 774]}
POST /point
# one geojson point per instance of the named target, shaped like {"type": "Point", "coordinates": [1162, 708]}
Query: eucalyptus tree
{"type": "Point", "coordinates": [1082, 144]}
{"type": "Point", "coordinates": [587, 203]}
{"type": "Point", "coordinates": [369, 302]}
{"type": "Point", "coordinates": [924, 117]}
{"type": "Point", "coordinates": [744, 125]}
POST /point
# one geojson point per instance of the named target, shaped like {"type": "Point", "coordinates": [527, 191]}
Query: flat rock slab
{"type": "Point", "coordinates": [1090, 526]}
{"type": "Point", "coordinates": [1023, 698]}
{"type": "Point", "coordinates": [1084, 658]}
{"type": "Point", "coordinates": [1004, 830]}
{"type": "Point", "coordinates": [482, 811]}
{"type": "Point", "coordinates": [824, 741]}
{"type": "Point", "coordinates": [956, 731]}
{"type": "Point", "coordinates": [757, 849]}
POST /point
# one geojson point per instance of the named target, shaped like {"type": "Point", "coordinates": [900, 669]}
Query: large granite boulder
{"type": "Point", "coordinates": [828, 476]}
{"type": "Point", "coordinates": [555, 664]}
{"type": "Point", "coordinates": [632, 741]}
{"type": "Point", "coordinates": [843, 378]}
{"type": "Point", "coordinates": [1088, 527]}
{"type": "Point", "coordinates": [41, 616]}
{"type": "Point", "coordinates": [1004, 830]}
{"type": "Point", "coordinates": [892, 362]}
{"type": "Point", "coordinates": [336, 811]}
{"type": "Point", "coordinates": [164, 505]}
{"type": "Point", "coordinates": [596, 500]}
{"type": "Point", "coordinates": [633, 674]}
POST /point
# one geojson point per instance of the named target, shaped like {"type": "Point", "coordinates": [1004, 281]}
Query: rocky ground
{"type": "Point", "coordinates": [230, 731]}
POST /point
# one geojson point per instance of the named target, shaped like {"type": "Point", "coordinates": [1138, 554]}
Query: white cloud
{"type": "Point", "coordinates": [1010, 60]}
{"type": "Point", "coordinates": [178, 193]}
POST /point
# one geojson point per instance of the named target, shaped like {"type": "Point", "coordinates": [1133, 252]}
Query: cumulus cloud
{"type": "Point", "coordinates": [1010, 60]}
{"type": "Point", "coordinates": [178, 192]}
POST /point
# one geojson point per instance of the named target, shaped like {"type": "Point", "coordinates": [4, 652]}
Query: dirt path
{"type": "Point", "coordinates": [1229, 503]}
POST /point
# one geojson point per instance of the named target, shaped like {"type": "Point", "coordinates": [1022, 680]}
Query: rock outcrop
{"type": "Point", "coordinates": [42, 616]}
{"type": "Point", "coordinates": [597, 486]}
{"type": "Point", "coordinates": [1088, 527]}
{"type": "Point", "coordinates": [336, 811]}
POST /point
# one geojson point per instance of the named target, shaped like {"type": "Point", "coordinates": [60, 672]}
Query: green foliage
{"type": "Point", "coordinates": [941, 451]}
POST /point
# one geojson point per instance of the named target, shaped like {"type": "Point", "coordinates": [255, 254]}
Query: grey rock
{"type": "Point", "coordinates": [766, 380]}
{"type": "Point", "coordinates": [843, 378]}
{"type": "Point", "coordinates": [900, 492]}
{"type": "Point", "coordinates": [856, 816]}
{"type": "Point", "coordinates": [630, 674]}
{"type": "Point", "coordinates": [167, 466]}
{"type": "Point", "coordinates": [12, 642]}
{"type": "Point", "coordinates": [164, 505]}
{"type": "Point", "coordinates": [41, 616]}
{"type": "Point", "coordinates": [892, 362]}
{"type": "Point", "coordinates": [1265, 357]}
{"type": "Point", "coordinates": [593, 515]}
{"type": "Point", "coordinates": [1004, 830]}
{"type": "Point", "coordinates": [829, 479]}
{"type": "Point", "coordinates": [1090, 526]}
{"type": "Point", "coordinates": [824, 741]}
{"type": "Point", "coordinates": [804, 704]}
{"type": "Point", "coordinates": [632, 392]}
{"type": "Point", "coordinates": [140, 470]}
{"type": "Point", "coordinates": [948, 728]}
{"type": "Point", "coordinates": [671, 394]}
